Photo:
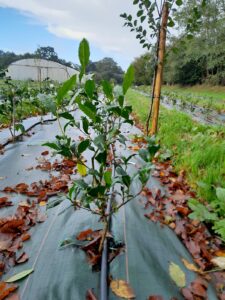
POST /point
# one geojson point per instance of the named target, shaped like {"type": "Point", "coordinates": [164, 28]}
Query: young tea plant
{"type": "Point", "coordinates": [105, 175]}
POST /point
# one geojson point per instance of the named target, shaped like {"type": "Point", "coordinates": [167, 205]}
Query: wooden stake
{"type": "Point", "coordinates": [159, 69]}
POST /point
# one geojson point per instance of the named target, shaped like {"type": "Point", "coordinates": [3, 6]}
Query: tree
{"type": "Point", "coordinates": [157, 17]}
{"type": "Point", "coordinates": [143, 69]}
{"type": "Point", "coordinates": [106, 69]}
{"type": "Point", "coordinates": [46, 53]}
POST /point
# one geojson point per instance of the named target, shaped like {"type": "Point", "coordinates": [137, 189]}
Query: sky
{"type": "Point", "coordinates": [28, 24]}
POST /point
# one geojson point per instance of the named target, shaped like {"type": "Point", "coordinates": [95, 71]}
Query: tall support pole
{"type": "Point", "coordinates": [13, 118]}
{"type": "Point", "coordinates": [159, 69]}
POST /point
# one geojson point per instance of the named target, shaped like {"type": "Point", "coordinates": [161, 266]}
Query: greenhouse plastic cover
{"type": "Point", "coordinates": [64, 274]}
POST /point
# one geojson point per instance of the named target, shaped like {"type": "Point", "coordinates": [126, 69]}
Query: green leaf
{"type": "Point", "coordinates": [140, 13]}
{"type": "Point", "coordinates": [107, 89]}
{"type": "Point", "coordinates": [20, 127]}
{"type": "Point", "coordinates": [179, 2]}
{"type": "Point", "coordinates": [120, 171]}
{"type": "Point", "coordinates": [19, 276]}
{"type": "Point", "coordinates": [98, 190]}
{"type": "Point", "coordinates": [63, 90]}
{"type": "Point", "coordinates": [219, 227]}
{"type": "Point", "coordinates": [67, 243]}
{"type": "Point", "coordinates": [83, 146]}
{"type": "Point", "coordinates": [84, 55]}
{"type": "Point", "coordinates": [128, 79]}
{"type": "Point", "coordinates": [200, 211]}
{"type": "Point", "coordinates": [101, 157]}
{"type": "Point", "coordinates": [177, 275]}
{"type": "Point", "coordinates": [89, 88]}
{"type": "Point", "coordinates": [143, 18]}
{"type": "Point", "coordinates": [52, 145]}
{"type": "Point", "coordinates": [144, 154]}
{"type": "Point", "coordinates": [82, 170]}
{"type": "Point", "coordinates": [126, 180]}
{"type": "Point", "coordinates": [99, 141]}
{"type": "Point", "coordinates": [54, 203]}
{"type": "Point", "coordinates": [108, 177]}
{"type": "Point", "coordinates": [66, 115]}
{"type": "Point", "coordinates": [170, 22]}
{"type": "Point", "coordinates": [121, 100]}
{"type": "Point", "coordinates": [88, 109]}
{"type": "Point", "coordinates": [220, 193]}
{"type": "Point", "coordinates": [85, 124]}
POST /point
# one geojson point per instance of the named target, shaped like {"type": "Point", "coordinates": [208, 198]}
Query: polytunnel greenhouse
{"type": "Point", "coordinates": [39, 70]}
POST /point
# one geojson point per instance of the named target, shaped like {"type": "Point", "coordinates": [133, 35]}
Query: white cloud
{"type": "Point", "coordinates": [97, 20]}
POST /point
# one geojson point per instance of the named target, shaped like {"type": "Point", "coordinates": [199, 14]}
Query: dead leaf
{"type": "Point", "coordinates": [4, 202]}
{"type": "Point", "coordinates": [155, 297]}
{"type": "Point", "coordinates": [122, 289]}
{"type": "Point", "coordinates": [22, 258]}
{"type": "Point", "coordinates": [12, 226]}
{"type": "Point", "coordinates": [14, 296]}
{"type": "Point", "coordinates": [84, 235]}
{"type": "Point", "coordinates": [25, 237]}
{"type": "Point", "coordinates": [6, 289]}
{"type": "Point", "coordinates": [90, 295]}
{"type": "Point", "coordinates": [44, 153]}
{"type": "Point", "coordinates": [177, 275]}
{"type": "Point", "coordinates": [42, 203]}
{"type": "Point", "coordinates": [5, 244]}
{"type": "Point", "coordinates": [219, 253]}
{"type": "Point", "coordinates": [191, 267]}
{"type": "Point", "coordinates": [219, 261]}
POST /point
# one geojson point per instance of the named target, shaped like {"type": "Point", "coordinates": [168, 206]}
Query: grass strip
{"type": "Point", "coordinates": [197, 149]}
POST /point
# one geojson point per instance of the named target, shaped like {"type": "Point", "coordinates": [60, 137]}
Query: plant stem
{"type": "Point", "coordinates": [103, 236]}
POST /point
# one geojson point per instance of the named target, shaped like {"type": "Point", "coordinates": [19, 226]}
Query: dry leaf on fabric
{"type": "Point", "coordinates": [122, 289]}
{"type": "Point", "coordinates": [219, 261]}
{"type": "Point", "coordinates": [191, 267]}
{"type": "Point", "coordinates": [177, 275]}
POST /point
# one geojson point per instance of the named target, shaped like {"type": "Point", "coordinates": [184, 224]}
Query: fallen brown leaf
{"type": "Point", "coordinates": [122, 289]}
{"type": "Point", "coordinates": [191, 267]}
{"type": "Point", "coordinates": [84, 235]}
{"type": "Point", "coordinates": [22, 258]}
{"type": "Point", "coordinates": [90, 295]}
{"type": "Point", "coordinates": [6, 289]}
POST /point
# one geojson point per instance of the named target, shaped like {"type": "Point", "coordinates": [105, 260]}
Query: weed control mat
{"type": "Point", "coordinates": [65, 274]}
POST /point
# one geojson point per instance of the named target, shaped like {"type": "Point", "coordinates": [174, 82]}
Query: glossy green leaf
{"type": "Point", "coordinates": [107, 89]}
{"type": "Point", "coordinates": [83, 146]}
{"type": "Point", "coordinates": [84, 55]}
{"type": "Point", "coordinates": [52, 145]}
{"type": "Point", "coordinates": [88, 109]}
{"type": "Point", "coordinates": [85, 124]}
{"type": "Point", "coordinates": [63, 90]}
{"type": "Point", "coordinates": [108, 177]}
{"type": "Point", "coordinates": [89, 88]}
{"type": "Point", "coordinates": [67, 115]}
{"type": "Point", "coordinates": [101, 157]}
{"type": "Point", "coordinates": [128, 79]}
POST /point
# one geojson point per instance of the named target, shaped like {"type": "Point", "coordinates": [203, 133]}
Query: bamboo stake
{"type": "Point", "coordinates": [159, 70]}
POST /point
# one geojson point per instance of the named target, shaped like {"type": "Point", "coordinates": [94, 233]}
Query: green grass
{"type": "Point", "coordinates": [197, 149]}
{"type": "Point", "coordinates": [206, 96]}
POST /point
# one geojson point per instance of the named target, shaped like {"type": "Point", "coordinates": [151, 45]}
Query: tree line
{"type": "Point", "coordinates": [104, 69]}
{"type": "Point", "coordinates": [191, 59]}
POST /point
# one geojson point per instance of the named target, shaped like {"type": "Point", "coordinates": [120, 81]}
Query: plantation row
{"type": "Point", "coordinates": [189, 98]}
{"type": "Point", "coordinates": [197, 149]}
